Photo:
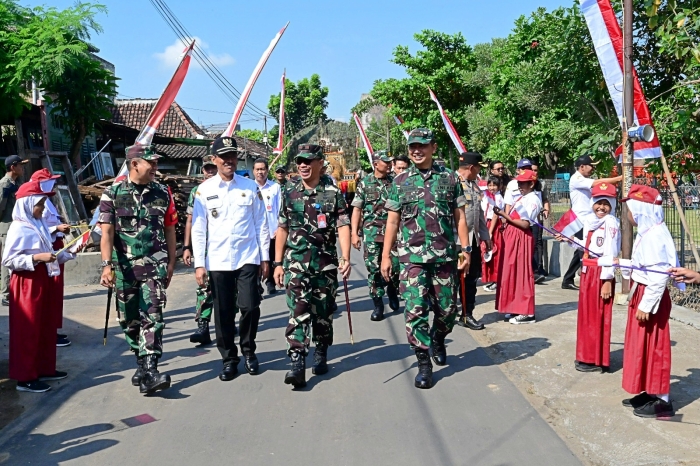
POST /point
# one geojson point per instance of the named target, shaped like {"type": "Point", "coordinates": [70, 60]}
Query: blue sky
{"type": "Point", "coordinates": [349, 44]}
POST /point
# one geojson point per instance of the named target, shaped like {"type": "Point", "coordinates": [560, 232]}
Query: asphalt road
{"type": "Point", "coordinates": [364, 411]}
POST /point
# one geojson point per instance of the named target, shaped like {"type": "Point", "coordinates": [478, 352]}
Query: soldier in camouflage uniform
{"type": "Point", "coordinates": [313, 209]}
{"type": "Point", "coordinates": [425, 205]}
{"type": "Point", "coordinates": [370, 195]}
{"type": "Point", "coordinates": [205, 302]}
{"type": "Point", "coordinates": [138, 218]}
{"type": "Point", "coordinates": [9, 184]}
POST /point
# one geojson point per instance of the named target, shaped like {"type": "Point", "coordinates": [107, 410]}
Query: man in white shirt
{"type": "Point", "coordinates": [580, 186]}
{"type": "Point", "coordinates": [231, 241]}
{"type": "Point", "coordinates": [270, 191]}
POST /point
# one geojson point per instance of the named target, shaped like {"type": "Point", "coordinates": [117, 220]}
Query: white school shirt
{"type": "Point", "coordinates": [605, 241]}
{"type": "Point", "coordinates": [488, 208]}
{"type": "Point", "coordinates": [655, 282]}
{"type": "Point", "coordinates": [512, 193]}
{"type": "Point", "coordinates": [528, 207]}
{"type": "Point", "coordinates": [272, 198]}
{"type": "Point", "coordinates": [580, 194]}
{"type": "Point", "coordinates": [229, 225]}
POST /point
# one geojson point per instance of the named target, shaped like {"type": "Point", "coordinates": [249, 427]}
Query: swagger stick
{"type": "Point", "coordinates": [347, 309]}
{"type": "Point", "coordinates": [464, 296]}
{"type": "Point", "coordinates": [109, 303]}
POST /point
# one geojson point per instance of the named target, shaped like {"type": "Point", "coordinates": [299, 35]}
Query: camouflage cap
{"type": "Point", "coordinates": [383, 156]}
{"type": "Point", "coordinates": [208, 160]}
{"type": "Point", "coordinates": [421, 136]}
{"type": "Point", "coordinates": [310, 151]}
{"type": "Point", "coordinates": [137, 151]}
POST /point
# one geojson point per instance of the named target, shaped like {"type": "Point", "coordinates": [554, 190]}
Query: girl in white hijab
{"type": "Point", "coordinates": [646, 369]}
{"type": "Point", "coordinates": [33, 288]}
{"type": "Point", "coordinates": [601, 233]}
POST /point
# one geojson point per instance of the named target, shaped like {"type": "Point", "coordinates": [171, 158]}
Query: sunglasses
{"type": "Point", "coordinates": [304, 161]}
{"type": "Point", "coordinates": [499, 169]}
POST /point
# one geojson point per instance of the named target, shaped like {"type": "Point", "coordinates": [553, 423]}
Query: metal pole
{"type": "Point", "coordinates": [627, 149]}
{"type": "Point", "coordinates": [267, 146]}
{"type": "Point", "coordinates": [388, 137]}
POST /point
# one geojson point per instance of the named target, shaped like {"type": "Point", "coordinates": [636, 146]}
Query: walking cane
{"type": "Point", "coordinates": [347, 309]}
{"type": "Point", "coordinates": [109, 303]}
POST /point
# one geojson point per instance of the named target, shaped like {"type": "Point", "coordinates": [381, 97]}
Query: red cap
{"type": "Point", "coordinates": [43, 175]}
{"type": "Point", "coordinates": [604, 189]}
{"type": "Point", "coordinates": [643, 194]}
{"type": "Point", "coordinates": [526, 175]}
{"type": "Point", "coordinates": [31, 188]}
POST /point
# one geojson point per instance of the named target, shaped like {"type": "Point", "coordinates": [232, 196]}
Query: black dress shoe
{"type": "Point", "coordinates": [228, 372]}
{"type": "Point", "coordinates": [470, 322]}
{"type": "Point", "coordinates": [638, 401]}
{"type": "Point", "coordinates": [569, 286]}
{"type": "Point", "coordinates": [585, 367]}
{"type": "Point", "coordinates": [251, 364]}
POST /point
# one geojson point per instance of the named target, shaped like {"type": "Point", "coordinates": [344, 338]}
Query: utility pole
{"type": "Point", "coordinates": [267, 146]}
{"type": "Point", "coordinates": [627, 145]}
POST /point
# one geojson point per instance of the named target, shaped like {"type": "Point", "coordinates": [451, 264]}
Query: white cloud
{"type": "Point", "coordinates": [173, 53]}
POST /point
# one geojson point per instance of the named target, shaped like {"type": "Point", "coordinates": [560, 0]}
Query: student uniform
{"type": "Point", "coordinates": [489, 270]}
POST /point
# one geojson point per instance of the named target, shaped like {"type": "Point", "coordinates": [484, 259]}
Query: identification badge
{"type": "Point", "coordinates": [321, 220]}
{"type": "Point", "coordinates": [269, 207]}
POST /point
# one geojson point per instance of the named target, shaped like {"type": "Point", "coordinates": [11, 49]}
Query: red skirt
{"type": "Point", "coordinates": [32, 324]}
{"type": "Point", "coordinates": [515, 292]}
{"type": "Point", "coordinates": [594, 319]}
{"type": "Point", "coordinates": [489, 270]}
{"type": "Point", "coordinates": [647, 359]}
{"type": "Point", "coordinates": [58, 287]}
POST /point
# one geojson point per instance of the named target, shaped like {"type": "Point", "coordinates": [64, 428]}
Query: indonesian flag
{"type": "Point", "coordinates": [166, 99]}
{"type": "Point", "coordinates": [251, 82]}
{"type": "Point", "coordinates": [365, 139]}
{"type": "Point", "coordinates": [569, 224]}
{"type": "Point", "coordinates": [280, 137]}
{"type": "Point", "coordinates": [448, 125]}
{"type": "Point", "coordinates": [607, 40]}
{"type": "Point", "coordinates": [400, 122]}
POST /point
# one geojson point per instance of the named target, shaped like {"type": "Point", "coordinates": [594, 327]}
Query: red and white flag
{"type": "Point", "coordinates": [400, 122]}
{"type": "Point", "coordinates": [607, 40]}
{"type": "Point", "coordinates": [166, 99]}
{"type": "Point", "coordinates": [251, 82]}
{"type": "Point", "coordinates": [365, 139]}
{"type": "Point", "coordinates": [449, 127]}
{"type": "Point", "coordinates": [569, 224]}
{"type": "Point", "coordinates": [280, 137]}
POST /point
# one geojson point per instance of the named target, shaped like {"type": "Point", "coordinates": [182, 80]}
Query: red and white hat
{"type": "Point", "coordinates": [32, 188]}
{"type": "Point", "coordinates": [604, 190]}
{"type": "Point", "coordinates": [643, 194]}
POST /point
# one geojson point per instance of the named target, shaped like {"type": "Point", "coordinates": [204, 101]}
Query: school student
{"type": "Point", "coordinates": [515, 287]}
{"type": "Point", "coordinates": [489, 269]}
{"type": "Point", "coordinates": [646, 369]}
{"type": "Point", "coordinates": [601, 233]}
{"type": "Point", "coordinates": [33, 289]}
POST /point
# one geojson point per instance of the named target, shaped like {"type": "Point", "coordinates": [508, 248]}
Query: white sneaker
{"type": "Point", "coordinates": [522, 319]}
{"type": "Point", "coordinates": [491, 287]}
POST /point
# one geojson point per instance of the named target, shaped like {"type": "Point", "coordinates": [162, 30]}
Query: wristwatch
{"type": "Point", "coordinates": [467, 250]}
{"type": "Point", "coordinates": [106, 264]}
{"type": "Point", "coordinates": [277, 264]}
{"type": "Point", "coordinates": [187, 248]}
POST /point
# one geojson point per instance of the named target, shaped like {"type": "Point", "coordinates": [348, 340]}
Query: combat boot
{"type": "Point", "coordinates": [438, 349]}
{"type": "Point", "coordinates": [153, 380]}
{"type": "Point", "coordinates": [297, 375]}
{"type": "Point", "coordinates": [424, 379]}
{"type": "Point", "coordinates": [393, 296]}
{"type": "Point", "coordinates": [378, 313]}
{"type": "Point", "coordinates": [201, 335]}
{"type": "Point", "coordinates": [320, 357]}
{"type": "Point", "coordinates": [136, 378]}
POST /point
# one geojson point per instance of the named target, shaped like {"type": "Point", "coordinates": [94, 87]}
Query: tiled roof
{"type": "Point", "coordinates": [134, 112]}
{"type": "Point", "coordinates": [181, 151]}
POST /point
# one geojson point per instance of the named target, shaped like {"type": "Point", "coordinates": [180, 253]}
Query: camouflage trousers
{"type": "Point", "coordinates": [373, 262]}
{"type": "Point", "coordinates": [140, 305]}
{"type": "Point", "coordinates": [205, 303]}
{"type": "Point", "coordinates": [425, 287]}
{"type": "Point", "coordinates": [311, 303]}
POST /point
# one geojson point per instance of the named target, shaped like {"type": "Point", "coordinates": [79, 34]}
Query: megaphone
{"type": "Point", "coordinates": [641, 133]}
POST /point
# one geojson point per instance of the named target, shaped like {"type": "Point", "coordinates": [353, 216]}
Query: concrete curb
{"type": "Point", "coordinates": [686, 316]}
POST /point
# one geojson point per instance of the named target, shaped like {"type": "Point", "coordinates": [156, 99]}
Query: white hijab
{"type": "Point", "coordinates": [654, 244]}
{"type": "Point", "coordinates": [592, 220]}
{"type": "Point", "coordinates": [50, 213]}
{"type": "Point", "coordinates": [27, 233]}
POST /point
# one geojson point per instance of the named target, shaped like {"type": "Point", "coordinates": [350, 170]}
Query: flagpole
{"type": "Point", "coordinates": [628, 121]}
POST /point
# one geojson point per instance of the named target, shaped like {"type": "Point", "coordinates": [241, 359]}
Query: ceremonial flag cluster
{"type": "Point", "coordinates": [607, 40]}
{"type": "Point", "coordinates": [280, 137]}
{"type": "Point", "coordinates": [251, 82]}
{"type": "Point", "coordinates": [449, 127]}
{"type": "Point", "coordinates": [365, 139]}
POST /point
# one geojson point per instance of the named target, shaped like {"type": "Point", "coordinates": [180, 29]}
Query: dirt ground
{"type": "Point", "coordinates": [585, 408]}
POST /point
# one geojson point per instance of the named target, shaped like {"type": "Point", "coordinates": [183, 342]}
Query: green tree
{"type": "Point", "coordinates": [304, 105]}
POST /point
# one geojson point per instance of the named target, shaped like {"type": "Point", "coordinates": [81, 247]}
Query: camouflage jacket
{"type": "Point", "coordinates": [310, 248]}
{"type": "Point", "coordinates": [426, 203]}
{"type": "Point", "coordinates": [370, 196]}
{"type": "Point", "coordinates": [140, 251]}
{"type": "Point", "coordinates": [190, 201]}
{"type": "Point", "coordinates": [8, 189]}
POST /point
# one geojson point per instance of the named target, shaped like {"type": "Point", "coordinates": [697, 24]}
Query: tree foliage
{"type": "Point", "coordinates": [304, 104]}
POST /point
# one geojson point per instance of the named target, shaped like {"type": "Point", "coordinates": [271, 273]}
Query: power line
{"type": "Point", "coordinates": [200, 55]}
